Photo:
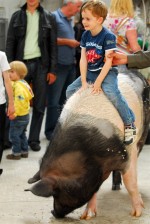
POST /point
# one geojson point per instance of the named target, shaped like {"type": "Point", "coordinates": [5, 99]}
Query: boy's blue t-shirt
{"type": "Point", "coordinates": [96, 47]}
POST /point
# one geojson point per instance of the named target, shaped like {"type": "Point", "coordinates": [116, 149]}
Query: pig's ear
{"type": "Point", "coordinates": [44, 188]}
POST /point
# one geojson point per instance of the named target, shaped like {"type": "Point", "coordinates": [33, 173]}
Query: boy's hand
{"type": "Point", "coordinates": [84, 86]}
{"type": "Point", "coordinates": [96, 88]}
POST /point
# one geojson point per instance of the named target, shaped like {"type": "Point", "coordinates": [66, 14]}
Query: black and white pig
{"type": "Point", "coordinates": [88, 144]}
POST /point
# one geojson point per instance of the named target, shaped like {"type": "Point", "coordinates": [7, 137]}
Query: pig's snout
{"type": "Point", "coordinates": [56, 215]}
{"type": "Point", "coordinates": [61, 209]}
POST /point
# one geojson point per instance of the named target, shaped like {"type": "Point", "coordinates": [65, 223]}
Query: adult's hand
{"type": "Point", "coordinates": [51, 78]}
{"type": "Point", "coordinates": [68, 42]}
{"type": "Point", "coordinates": [10, 109]}
{"type": "Point", "coordinates": [118, 58]}
{"type": "Point", "coordinates": [12, 117]}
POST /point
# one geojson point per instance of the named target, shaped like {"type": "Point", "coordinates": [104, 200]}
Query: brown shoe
{"type": "Point", "coordinates": [25, 155]}
{"type": "Point", "coordinates": [13, 157]}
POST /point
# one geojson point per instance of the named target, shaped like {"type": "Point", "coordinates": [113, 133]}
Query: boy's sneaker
{"type": "Point", "coordinates": [130, 134]}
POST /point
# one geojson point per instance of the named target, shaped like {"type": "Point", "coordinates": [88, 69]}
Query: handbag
{"type": "Point", "coordinates": [122, 42]}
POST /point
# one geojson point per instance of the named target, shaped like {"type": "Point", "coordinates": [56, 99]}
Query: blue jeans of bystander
{"type": "Point", "coordinates": [56, 96]}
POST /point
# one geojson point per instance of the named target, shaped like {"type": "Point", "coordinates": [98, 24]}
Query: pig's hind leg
{"type": "Point", "coordinates": [130, 181]}
{"type": "Point", "coordinates": [116, 180]}
{"type": "Point", "coordinates": [35, 178]}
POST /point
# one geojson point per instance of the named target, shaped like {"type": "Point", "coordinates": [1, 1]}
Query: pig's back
{"type": "Point", "coordinates": [96, 110]}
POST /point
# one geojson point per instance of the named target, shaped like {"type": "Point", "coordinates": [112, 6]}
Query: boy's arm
{"type": "Point", "coordinates": [9, 91]}
{"type": "Point", "coordinates": [103, 73]}
{"type": "Point", "coordinates": [83, 67]}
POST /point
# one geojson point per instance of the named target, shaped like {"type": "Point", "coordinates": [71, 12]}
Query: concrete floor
{"type": "Point", "coordinates": [20, 207]}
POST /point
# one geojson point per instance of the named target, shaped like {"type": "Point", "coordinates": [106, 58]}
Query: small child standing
{"type": "Point", "coordinates": [19, 120]}
{"type": "Point", "coordinates": [96, 43]}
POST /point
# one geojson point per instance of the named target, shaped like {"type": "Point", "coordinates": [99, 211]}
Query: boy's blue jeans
{"type": "Point", "coordinates": [110, 88]}
{"type": "Point", "coordinates": [17, 134]}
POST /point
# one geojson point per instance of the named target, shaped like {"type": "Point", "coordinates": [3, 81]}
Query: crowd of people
{"type": "Point", "coordinates": [41, 47]}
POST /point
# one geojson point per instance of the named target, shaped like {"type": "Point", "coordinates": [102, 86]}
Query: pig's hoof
{"type": "Point", "coordinates": [137, 208]}
{"type": "Point", "coordinates": [137, 212]}
{"type": "Point", "coordinates": [88, 214]}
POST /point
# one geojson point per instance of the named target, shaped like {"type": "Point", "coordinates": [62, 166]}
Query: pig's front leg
{"type": "Point", "coordinates": [91, 209]}
{"type": "Point", "coordinates": [130, 181]}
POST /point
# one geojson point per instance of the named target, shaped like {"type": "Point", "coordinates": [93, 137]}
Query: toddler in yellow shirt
{"type": "Point", "coordinates": [22, 93]}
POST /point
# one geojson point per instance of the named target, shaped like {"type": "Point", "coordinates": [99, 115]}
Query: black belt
{"type": "Point", "coordinates": [32, 60]}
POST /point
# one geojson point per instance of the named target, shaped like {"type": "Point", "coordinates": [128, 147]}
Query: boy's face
{"type": "Point", "coordinates": [13, 75]}
{"type": "Point", "coordinates": [89, 21]}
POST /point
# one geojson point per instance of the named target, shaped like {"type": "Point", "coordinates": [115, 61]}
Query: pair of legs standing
{"type": "Point", "coordinates": [56, 96]}
{"type": "Point", "coordinates": [36, 76]}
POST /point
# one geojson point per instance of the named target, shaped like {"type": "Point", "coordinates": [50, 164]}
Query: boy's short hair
{"type": "Point", "coordinates": [98, 8]}
{"type": "Point", "coordinates": [20, 68]}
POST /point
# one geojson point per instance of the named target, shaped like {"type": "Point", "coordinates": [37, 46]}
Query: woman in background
{"type": "Point", "coordinates": [120, 20]}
